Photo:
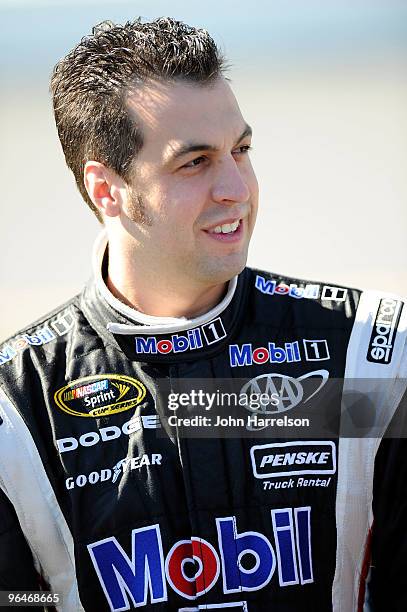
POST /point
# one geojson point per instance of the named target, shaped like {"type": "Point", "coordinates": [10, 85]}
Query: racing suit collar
{"type": "Point", "coordinates": [148, 338]}
{"type": "Point", "coordinates": [156, 325]}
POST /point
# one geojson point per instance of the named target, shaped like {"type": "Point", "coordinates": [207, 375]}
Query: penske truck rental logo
{"type": "Point", "coordinates": [293, 458]}
{"type": "Point", "coordinates": [100, 395]}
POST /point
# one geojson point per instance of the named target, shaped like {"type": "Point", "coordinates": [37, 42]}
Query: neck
{"type": "Point", "coordinates": [156, 296]}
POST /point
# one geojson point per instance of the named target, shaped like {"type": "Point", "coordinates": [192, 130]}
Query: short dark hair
{"type": "Point", "coordinates": [91, 84]}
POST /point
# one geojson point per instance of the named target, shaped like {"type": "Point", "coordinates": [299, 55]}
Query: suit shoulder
{"type": "Point", "coordinates": [330, 296]}
{"type": "Point", "coordinates": [45, 331]}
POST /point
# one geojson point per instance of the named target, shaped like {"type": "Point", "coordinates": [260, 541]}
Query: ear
{"type": "Point", "coordinates": [105, 188]}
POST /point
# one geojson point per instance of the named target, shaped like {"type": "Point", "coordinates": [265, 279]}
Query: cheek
{"type": "Point", "coordinates": [252, 183]}
{"type": "Point", "coordinates": [174, 220]}
{"type": "Point", "coordinates": [186, 203]}
{"type": "Point", "coordinates": [174, 205]}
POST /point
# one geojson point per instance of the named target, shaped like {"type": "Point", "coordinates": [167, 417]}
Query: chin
{"type": "Point", "coordinates": [221, 271]}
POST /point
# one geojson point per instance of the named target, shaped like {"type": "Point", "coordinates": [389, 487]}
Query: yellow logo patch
{"type": "Point", "coordinates": [100, 395]}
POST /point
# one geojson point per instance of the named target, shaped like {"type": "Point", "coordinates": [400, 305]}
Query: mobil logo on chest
{"type": "Point", "coordinates": [242, 562]}
{"type": "Point", "coordinates": [192, 339]}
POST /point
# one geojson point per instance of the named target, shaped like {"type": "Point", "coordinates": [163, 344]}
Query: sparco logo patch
{"type": "Point", "coordinates": [190, 340]}
{"type": "Point", "coordinates": [293, 459]}
{"type": "Point", "coordinates": [385, 326]}
{"type": "Point", "coordinates": [100, 395]}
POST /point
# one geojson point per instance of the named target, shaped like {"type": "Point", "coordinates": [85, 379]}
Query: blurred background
{"type": "Point", "coordinates": [324, 85]}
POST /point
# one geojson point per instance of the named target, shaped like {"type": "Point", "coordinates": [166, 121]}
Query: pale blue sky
{"type": "Point", "coordinates": [35, 34]}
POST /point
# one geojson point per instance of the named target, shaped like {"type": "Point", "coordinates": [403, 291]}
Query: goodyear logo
{"type": "Point", "coordinates": [100, 395]}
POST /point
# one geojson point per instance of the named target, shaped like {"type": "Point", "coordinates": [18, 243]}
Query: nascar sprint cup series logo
{"type": "Point", "coordinates": [100, 395]}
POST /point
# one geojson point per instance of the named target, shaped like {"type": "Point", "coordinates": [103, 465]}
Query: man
{"type": "Point", "coordinates": [110, 506]}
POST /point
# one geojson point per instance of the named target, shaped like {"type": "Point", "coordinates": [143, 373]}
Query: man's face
{"type": "Point", "coordinates": [195, 182]}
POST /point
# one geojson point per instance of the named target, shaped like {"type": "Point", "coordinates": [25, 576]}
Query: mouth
{"type": "Point", "coordinates": [230, 231]}
{"type": "Point", "coordinates": [225, 228]}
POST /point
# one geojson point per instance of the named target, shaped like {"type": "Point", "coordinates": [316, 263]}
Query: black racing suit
{"type": "Point", "coordinates": [116, 510]}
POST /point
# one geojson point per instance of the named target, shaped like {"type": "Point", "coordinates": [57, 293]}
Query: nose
{"type": "Point", "coordinates": [229, 185]}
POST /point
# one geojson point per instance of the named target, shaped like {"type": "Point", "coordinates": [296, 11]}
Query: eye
{"type": "Point", "coordinates": [195, 162]}
{"type": "Point", "coordinates": [243, 149]}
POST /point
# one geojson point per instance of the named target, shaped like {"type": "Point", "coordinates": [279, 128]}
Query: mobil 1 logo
{"type": "Point", "coordinates": [213, 331]}
{"type": "Point", "coordinates": [384, 331]}
{"type": "Point", "coordinates": [316, 350]}
{"type": "Point", "coordinates": [246, 355]}
{"type": "Point", "coordinates": [191, 339]}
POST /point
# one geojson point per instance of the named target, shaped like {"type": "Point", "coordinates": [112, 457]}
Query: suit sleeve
{"type": "Point", "coordinates": [17, 571]}
{"type": "Point", "coordinates": [387, 585]}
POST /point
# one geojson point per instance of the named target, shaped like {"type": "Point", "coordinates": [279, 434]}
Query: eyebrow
{"type": "Point", "coordinates": [191, 147]}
